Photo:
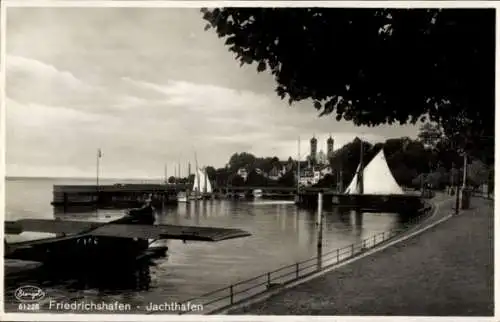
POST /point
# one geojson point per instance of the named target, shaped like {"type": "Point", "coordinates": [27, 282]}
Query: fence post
{"type": "Point", "coordinates": [231, 294]}
{"type": "Point", "coordinates": [297, 270]}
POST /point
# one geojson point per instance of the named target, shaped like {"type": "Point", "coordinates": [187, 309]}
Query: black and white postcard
{"type": "Point", "coordinates": [171, 160]}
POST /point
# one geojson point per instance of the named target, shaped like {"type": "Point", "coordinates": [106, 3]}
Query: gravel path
{"type": "Point", "coordinates": [445, 271]}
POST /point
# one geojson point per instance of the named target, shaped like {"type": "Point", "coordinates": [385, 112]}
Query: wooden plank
{"type": "Point", "coordinates": [49, 226]}
{"type": "Point", "coordinates": [169, 232]}
{"type": "Point", "coordinates": [125, 230]}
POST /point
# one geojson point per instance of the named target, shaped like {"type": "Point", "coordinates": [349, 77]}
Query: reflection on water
{"type": "Point", "coordinates": [281, 234]}
{"type": "Point", "coordinates": [137, 278]}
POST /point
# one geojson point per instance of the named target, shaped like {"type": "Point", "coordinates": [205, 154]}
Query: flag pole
{"type": "Point", "coordinates": [97, 168]}
{"type": "Point", "coordinates": [98, 157]}
{"type": "Point", "coordinates": [298, 166]}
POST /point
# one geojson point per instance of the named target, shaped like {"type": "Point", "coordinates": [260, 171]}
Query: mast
{"type": "Point", "coordinates": [165, 174]}
{"type": "Point", "coordinates": [341, 179]}
{"type": "Point", "coordinates": [298, 167]}
{"type": "Point", "coordinates": [206, 178]}
{"type": "Point", "coordinates": [197, 174]}
{"type": "Point", "coordinates": [360, 174]}
{"type": "Point", "coordinates": [99, 155]}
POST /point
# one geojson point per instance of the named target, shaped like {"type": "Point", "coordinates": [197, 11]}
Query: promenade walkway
{"type": "Point", "coordinates": [445, 271]}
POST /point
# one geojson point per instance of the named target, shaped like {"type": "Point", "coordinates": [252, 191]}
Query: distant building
{"type": "Point", "coordinates": [316, 177]}
{"type": "Point", "coordinates": [314, 150]}
{"type": "Point", "coordinates": [306, 177]}
{"type": "Point", "coordinates": [322, 159]}
{"type": "Point", "coordinates": [274, 174]}
{"type": "Point", "coordinates": [329, 147]}
{"type": "Point", "coordinates": [286, 166]}
{"type": "Point", "coordinates": [325, 170]}
{"type": "Point", "coordinates": [242, 172]}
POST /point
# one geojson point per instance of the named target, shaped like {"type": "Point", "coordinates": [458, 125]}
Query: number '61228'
{"type": "Point", "coordinates": [29, 306]}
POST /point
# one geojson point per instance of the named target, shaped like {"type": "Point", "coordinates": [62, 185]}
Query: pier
{"type": "Point", "coordinates": [406, 203]}
{"type": "Point", "coordinates": [117, 195]}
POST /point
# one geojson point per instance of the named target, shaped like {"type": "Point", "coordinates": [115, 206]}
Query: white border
{"type": "Point", "coordinates": [3, 141]}
{"type": "Point", "coordinates": [243, 3]}
{"type": "Point", "coordinates": [197, 4]}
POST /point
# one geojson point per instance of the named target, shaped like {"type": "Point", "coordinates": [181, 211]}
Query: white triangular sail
{"type": "Point", "coordinates": [205, 185]}
{"type": "Point", "coordinates": [196, 182]}
{"type": "Point", "coordinates": [201, 182]}
{"type": "Point", "coordinates": [377, 179]}
{"type": "Point", "coordinates": [353, 186]}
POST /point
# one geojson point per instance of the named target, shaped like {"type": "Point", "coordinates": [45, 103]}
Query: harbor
{"type": "Point", "coordinates": [167, 256]}
{"type": "Point", "coordinates": [281, 234]}
{"type": "Point", "coordinates": [248, 160]}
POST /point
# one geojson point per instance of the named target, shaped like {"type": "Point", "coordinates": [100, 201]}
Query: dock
{"type": "Point", "coordinates": [117, 195]}
{"type": "Point", "coordinates": [405, 204]}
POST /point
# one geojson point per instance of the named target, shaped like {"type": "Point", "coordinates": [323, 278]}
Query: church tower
{"type": "Point", "coordinates": [314, 149]}
{"type": "Point", "coordinates": [329, 147]}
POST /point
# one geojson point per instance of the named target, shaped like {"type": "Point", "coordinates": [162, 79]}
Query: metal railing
{"type": "Point", "coordinates": [223, 298]}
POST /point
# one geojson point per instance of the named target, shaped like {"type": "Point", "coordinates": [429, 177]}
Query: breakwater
{"type": "Point", "coordinates": [116, 195]}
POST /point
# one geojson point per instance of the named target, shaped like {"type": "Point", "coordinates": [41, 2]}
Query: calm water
{"type": "Point", "coordinates": [281, 235]}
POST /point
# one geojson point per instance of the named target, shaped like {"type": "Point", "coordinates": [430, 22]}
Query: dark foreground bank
{"type": "Point", "coordinates": [445, 271]}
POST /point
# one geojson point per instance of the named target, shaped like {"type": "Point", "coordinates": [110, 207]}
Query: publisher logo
{"type": "Point", "coordinates": [29, 294]}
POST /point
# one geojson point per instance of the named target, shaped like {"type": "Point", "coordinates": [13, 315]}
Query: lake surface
{"type": "Point", "coordinates": [282, 234]}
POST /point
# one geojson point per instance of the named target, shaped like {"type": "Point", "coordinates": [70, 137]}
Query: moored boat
{"type": "Point", "coordinates": [257, 193]}
{"type": "Point", "coordinates": [182, 197]}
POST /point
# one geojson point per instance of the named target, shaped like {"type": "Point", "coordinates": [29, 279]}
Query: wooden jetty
{"type": "Point", "coordinates": [365, 202]}
{"type": "Point", "coordinates": [124, 240]}
{"type": "Point", "coordinates": [117, 195]}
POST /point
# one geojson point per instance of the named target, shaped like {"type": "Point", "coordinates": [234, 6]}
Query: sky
{"type": "Point", "coordinates": [150, 88]}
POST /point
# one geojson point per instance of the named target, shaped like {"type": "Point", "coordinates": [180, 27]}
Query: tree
{"type": "Point", "coordinates": [287, 180]}
{"type": "Point", "coordinates": [430, 134]}
{"type": "Point", "coordinates": [237, 181]}
{"type": "Point", "coordinates": [171, 179]}
{"type": "Point", "coordinates": [241, 160]}
{"type": "Point", "coordinates": [222, 177]}
{"type": "Point", "coordinates": [328, 181]}
{"type": "Point", "coordinates": [477, 173]}
{"type": "Point", "coordinates": [211, 173]}
{"type": "Point", "coordinates": [255, 179]}
{"type": "Point", "coordinates": [376, 66]}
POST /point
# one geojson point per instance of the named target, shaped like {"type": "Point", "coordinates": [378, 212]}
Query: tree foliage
{"type": "Point", "coordinates": [211, 173]}
{"type": "Point", "coordinates": [376, 66]}
{"type": "Point", "coordinates": [430, 134]}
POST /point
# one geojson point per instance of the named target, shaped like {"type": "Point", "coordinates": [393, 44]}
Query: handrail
{"type": "Point", "coordinates": [330, 258]}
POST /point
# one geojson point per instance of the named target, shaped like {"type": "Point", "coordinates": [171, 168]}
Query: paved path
{"type": "Point", "coordinates": [445, 271]}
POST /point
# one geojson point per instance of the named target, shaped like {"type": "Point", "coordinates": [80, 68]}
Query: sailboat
{"type": "Point", "coordinates": [377, 179]}
{"type": "Point", "coordinates": [200, 189]}
{"type": "Point", "coordinates": [201, 185]}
